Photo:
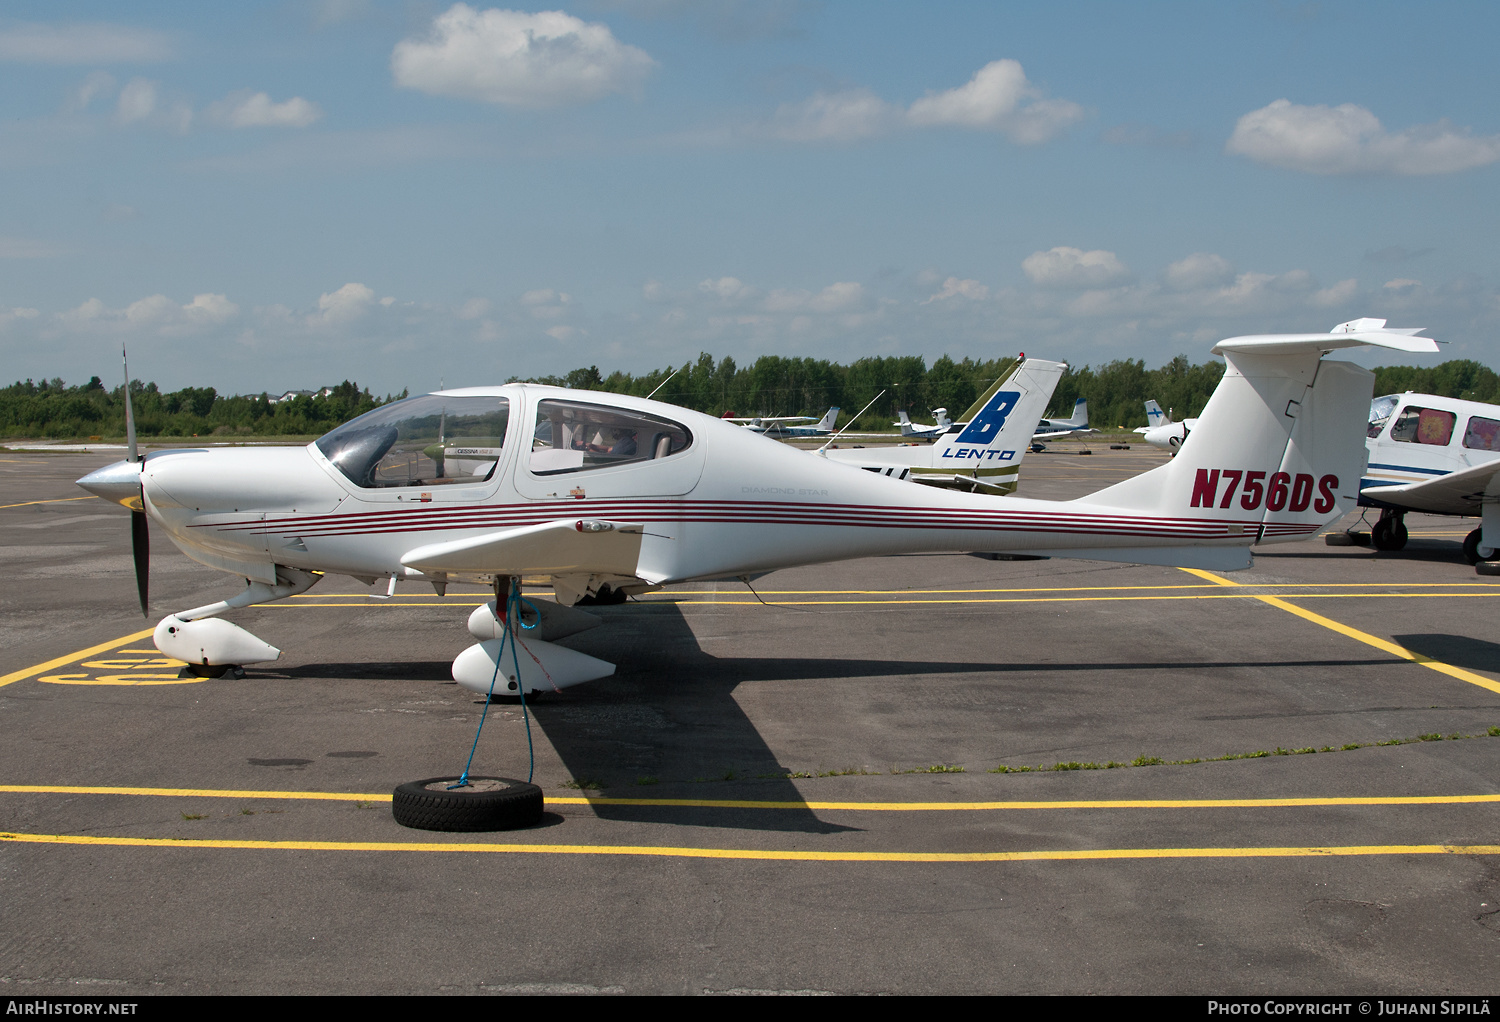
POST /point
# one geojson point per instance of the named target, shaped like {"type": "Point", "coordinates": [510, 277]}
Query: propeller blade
{"type": "Point", "coordinates": [140, 547]}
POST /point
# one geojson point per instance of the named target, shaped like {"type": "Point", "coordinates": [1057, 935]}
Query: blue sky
{"type": "Point", "coordinates": [265, 196]}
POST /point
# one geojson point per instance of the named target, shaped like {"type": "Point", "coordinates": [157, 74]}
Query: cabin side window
{"type": "Point", "coordinates": [1424, 426]}
{"type": "Point", "coordinates": [1482, 434]}
{"type": "Point", "coordinates": [572, 436]}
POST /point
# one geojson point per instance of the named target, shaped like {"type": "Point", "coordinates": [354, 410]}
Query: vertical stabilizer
{"type": "Point", "coordinates": [1277, 453]}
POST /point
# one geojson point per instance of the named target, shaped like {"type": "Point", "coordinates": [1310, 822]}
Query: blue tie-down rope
{"type": "Point", "coordinates": [512, 607]}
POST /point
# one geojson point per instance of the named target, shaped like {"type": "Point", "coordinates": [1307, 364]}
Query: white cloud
{"type": "Point", "coordinates": [1339, 294]}
{"type": "Point", "coordinates": [1401, 284]}
{"type": "Point", "coordinates": [546, 303]}
{"type": "Point", "coordinates": [1073, 269]}
{"type": "Point", "coordinates": [1199, 270]}
{"type": "Point", "coordinates": [955, 288]}
{"type": "Point", "coordinates": [84, 43]}
{"type": "Point", "coordinates": [997, 98]}
{"type": "Point", "coordinates": [246, 109]}
{"type": "Point", "coordinates": [347, 303]}
{"type": "Point", "coordinates": [839, 297]}
{"type": "Point", "coordinates": [137, 101]}
{"type": "Point", "coordinates": [837, 117]}
{"type": "Point", "coordinates": [141, 102]}
{"type": "Point", "coordinates": [1349, 139]}
{"type": "Point", "coordinates": [728, 288]}
{"type": "Point", "coordinates": [472, 309]}
{"type": "Point", "coordinates": [96, 84]}
{"type": "Point", "coordinates": [564, 333]}
{"type": "Point", "coordinates": [517, 59]}
{"type": "Point", "coordinates": [153, 314]}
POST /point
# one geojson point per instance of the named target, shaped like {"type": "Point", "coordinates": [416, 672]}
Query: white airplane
{"type": "Point", "coordinates": [1437, 455]}
{"type": "Point", "coordinates": [1154, 416]}
{"type": "Point", "coordinates": [981, 455]}
{"type": "Point", "coordinates": [1278, 456]}
{"type": "Point", "coordinates": [1056, 429]}
{"type": "Point", "coordinates": [911, 431]}
{"type": "Point", "coordinates": [775, 426]}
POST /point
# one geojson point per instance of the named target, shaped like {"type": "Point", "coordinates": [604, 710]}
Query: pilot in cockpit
{"type": "Point", "coordinates": [617, 443]}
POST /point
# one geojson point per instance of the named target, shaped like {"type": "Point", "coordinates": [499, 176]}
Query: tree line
{"type": "Point", "coordinates": [771, 385]}
{"type": "Point", "coordinates": [53, 409]}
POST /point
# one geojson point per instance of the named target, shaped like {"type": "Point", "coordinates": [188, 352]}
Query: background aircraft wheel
{"type": "Point", "coordinates": [1471, 547]}
{"type": "Point", "coordinates": [607, 596]}
{"type": "Point", "coordinates": [485, 803]}
{"type": "Point", "coordinates": [1388, 534]}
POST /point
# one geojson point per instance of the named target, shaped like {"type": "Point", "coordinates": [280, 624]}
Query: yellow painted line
{"type": "Point", "coordinates": [59, 500]}
{"type": "Point", "coordinates": [877, 807]}
{"type": "Point", "coordinates": [73, 658]}
{"type": "Point", "coordinates": [94, 789]}
{"type": "Point", "coordinates": [1365, 637]}
{"type": "Point", "coordinates": [763, 854]}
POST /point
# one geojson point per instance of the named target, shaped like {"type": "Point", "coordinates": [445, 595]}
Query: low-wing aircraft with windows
{"type": "Point", "coordinates": [610, 495]}
{"type": "Point", "coordinates": [983, 453]}
{"type": "Point", "coordinates": [1436, 455]}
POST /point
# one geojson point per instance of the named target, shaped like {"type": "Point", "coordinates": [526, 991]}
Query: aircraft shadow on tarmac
{"type": "Point", "coordinates": [668, 717]}
{"type": "Point", "coordinates": [1458, 650]}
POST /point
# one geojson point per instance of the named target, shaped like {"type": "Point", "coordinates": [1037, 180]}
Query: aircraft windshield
{"type": "Point", "coordinates": [423, 441]}
{"type": "Point", "coordinates": [1380, 412]}
{"type": "Point", "coordinates": [572, 436]}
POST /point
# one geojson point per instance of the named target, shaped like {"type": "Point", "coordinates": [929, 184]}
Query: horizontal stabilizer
{"type": "Point", "coordinates": [1457, 493]}
{"type": "Point", "coordinates": [570, 545]}
{"type": "Point", "coordinates": [1354, 334]}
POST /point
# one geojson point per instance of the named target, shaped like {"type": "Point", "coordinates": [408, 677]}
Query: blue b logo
{"type": "Point", "coordinates": [987, 424]}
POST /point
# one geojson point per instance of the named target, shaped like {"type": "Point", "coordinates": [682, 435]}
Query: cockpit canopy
{"type": "Point", "coordinates": [430, 440]}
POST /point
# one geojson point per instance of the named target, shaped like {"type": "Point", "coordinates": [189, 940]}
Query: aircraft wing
{"type": "Point", "coordinates": [1457, 493]}
{"type": "Point", "coordinates": [1059, 434]}
{"type": "Point", "coordinates": [776, 418]}
{"type": "Point", "coordinates": [572, 545]}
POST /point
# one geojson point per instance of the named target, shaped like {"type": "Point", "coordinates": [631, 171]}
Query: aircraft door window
{"type": "Point", "coordinates": [1424, 426]}
{"type": "Point", "coordinates": [432, 440]}
{"type": "Point", "coordinates": [572, 436]}
{"type": "Point", "coordinates": [1482, 434]}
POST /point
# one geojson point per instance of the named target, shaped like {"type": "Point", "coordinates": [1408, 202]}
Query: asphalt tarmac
{"type": "Point", "coordinates": [800, 796]}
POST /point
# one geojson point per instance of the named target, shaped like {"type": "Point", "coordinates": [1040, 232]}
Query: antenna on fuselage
{"type": "Point", "coordinates": [840, 433]}
{"type": "Point", "coordinates": [663, 383]}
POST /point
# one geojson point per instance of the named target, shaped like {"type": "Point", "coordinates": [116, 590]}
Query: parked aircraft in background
{"type": "Point", "coordinates": [1437, 455]}
{"type": "Point", "coordinates": [1154, 416]}
{"type": "Point", "coordinates": [911, 431]}
{"type": "Point", "coordinates": [777, 426]}
{"type": "Point", "coordinates": [1167, 435]}
{"type": "Point", "coordinates": [1056, 429]}
{"type": "Point", "coordinates": [981, 454]}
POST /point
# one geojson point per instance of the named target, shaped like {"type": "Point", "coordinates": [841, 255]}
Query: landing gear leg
{"type": "Point", "coordinates": [1390, 532]}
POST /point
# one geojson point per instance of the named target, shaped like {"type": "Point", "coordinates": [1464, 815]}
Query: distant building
{"type": "Point", "coordinates": [299, 393]}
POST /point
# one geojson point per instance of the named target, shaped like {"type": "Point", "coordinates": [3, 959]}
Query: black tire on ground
{"type": "Point", "coordinates": [1487, 568]}
{"type": "Point", "coordinates": [1471, 547]}
{"type": "Point", "coordinates": [1388, 534]}
{"type": "Point", "coordinates": [486, 803]}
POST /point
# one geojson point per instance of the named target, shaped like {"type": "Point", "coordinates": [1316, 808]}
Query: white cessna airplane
{"type": "Point", "coordinates": [1277, 456]}
{"type": "Point", "coordinates": [775, 426]}
{"type": "Point", "coordinates": [1056, 429]}
{"type": "Point", "coordinates": [1438, 455]}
